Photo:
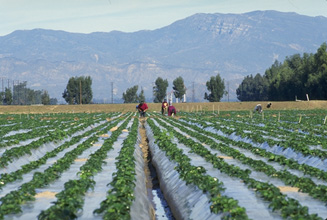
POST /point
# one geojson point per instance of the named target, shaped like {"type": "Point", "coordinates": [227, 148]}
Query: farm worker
{"type": "Point", "coordinates": [143, 107]}
{"type": "Point", "coordinates": [171, 110]}
{"type": "Point", "coordinates": [269, 105]}
{"type": "Point", "coordinates": [164, 106]}
{"type": "Point", "coordinates": [258, 108]}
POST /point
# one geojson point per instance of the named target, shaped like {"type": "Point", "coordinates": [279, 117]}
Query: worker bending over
{"type": "Point", "coordinates": [143, 107]}
{"type": "Point", "coordinates": [171, 110]}
{"type": "Point", "coordinates": [258, 108]}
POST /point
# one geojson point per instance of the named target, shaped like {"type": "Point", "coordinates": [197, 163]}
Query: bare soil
{"type": "Point", "coordinates": [288, 189]}
{"type": "Point", "coordinates": [188, 107]}
{"type": "Point", "coordinates": [145, 150]}
{"type": "Point", "coordinates": [46, 194]}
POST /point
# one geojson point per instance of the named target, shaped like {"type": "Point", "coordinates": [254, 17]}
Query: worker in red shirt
{"type": "Point", "coordinates": [143, 107]}
{"type": "Point", "coordinates": [171, 110]}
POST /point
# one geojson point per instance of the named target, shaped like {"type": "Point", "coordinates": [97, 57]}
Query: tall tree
{"type": "Point", "coordinates": [131, 95]}
{"type": "Point", "coordinates": [19, 93]}
{"type": "Point", "coordinates": [53, 101]}
{"type": "Point", "coordinates": [160, 89]}
{"type": "Point", "coordinates": [179, 87]}
{"type": "Point", "coordinates": [318, 80]}
{"type": "Point", "coordinates": [216, 86]}
{"type": "Point", "coordinates": [252, 89]}
{"type": "Point", "coordinates": [295, 77]}
{"type": "Point", "coordinates": [45, 98]}
{"type": "Point", "coordinates": [141, 95]}
{"type": "Point", "coordinates": [7, 97]}
{"type": "Point", "coordinates": [78, 90]}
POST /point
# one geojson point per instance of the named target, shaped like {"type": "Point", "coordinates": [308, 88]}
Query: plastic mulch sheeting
{"type": "Point", "coordinates": [142, 207]}
{"type": "Point", "coordinates": [288, 153]}
{"type": "Point", "coordinates": [185, 201]}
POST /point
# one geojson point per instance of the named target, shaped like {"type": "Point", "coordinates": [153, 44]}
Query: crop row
{"type": "Point", "coordinates": [71, 199]}
{"type": "Point", "coordinates": [305, 184]}
{"type": "Point", "coordinates": [283, 204]}
{"type": "Point", "coordinates": [32, 165]}
{"type": "Point", "coordinates": [12, 201]}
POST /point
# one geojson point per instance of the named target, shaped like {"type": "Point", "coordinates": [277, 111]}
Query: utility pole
{"type": "Point", "coordinates": [2, 83]}
{"type": "Point", "coordinates": [228, 91]}
{"type": "Point", "coordinates": [80, 92]}
{"type": "Point", "coordinates": [242, 92]}
{"type": "Point", "coordinates": [3, 94]}
{"type": "Point", "coordinates": [112, 92]}
{"type": "Point", "coordinates": [25, 82]}
{"type": "Point", "coordinates": [153, 91]}
{"type": "Point", "coordinates": [18, 91]}
{"type": "Point", "coordinates": [13, 96]}
{"type": "Point", "coordinates": [193, 91]}
{"type": "Point", "coordinates": [15, 91]}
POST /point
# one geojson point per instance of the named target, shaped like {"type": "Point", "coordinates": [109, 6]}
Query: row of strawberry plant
{"type": "Point", "coordinates": [36, 133]}
{"type": "Point", "coordinates": [291, 143]}
{"type": "Point", "coordinates": [120, 197]}
{"type": "Point", "coordinates": [70, 201]}
{"type": "Point", "coordinates": [20, 124]}
{"type": "Point", "coordinates": [11, 202]}
{"type": "Point", "coordinates": [52, 136]}
{"type": "Point", "coordinates": [287, 206]}
{"type": "Point", "coordinates": [303, 183]}
{"type": "Point", "coordinates": [24, 123]}
{"type": "Point", "coordinates": [273, 129]}
{"type": "Point", "coordinates": [247, 129]}
{"type": "Point", "coordinates": [17, 175]}
{"type": "Point", "coordinates": [282, 160]}
{"type": "Point", "coordinates": [198, 177]}
{"type": "Point", "coordinates": [313, 119]}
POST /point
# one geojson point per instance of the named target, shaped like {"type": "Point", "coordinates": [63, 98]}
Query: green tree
{"type": "Point", "coordinates": [45, 98]}
{"type": "Point", "coordinates": [295, 77]}
{"type": "Point", "coordinates": [19, 93]}
{"type": "Point", "coordinates": [78, 90]}
{"type": "Point", "coordinates": [160, 89]}
{"type": "Point", "coordinates": [216, 87]}
{"type": "Point", "coordinates": [141, 95]}
{"type": "Point", "coordinates": [317, 81]}
{"type": "Point", "coordinates": [131, 95]}
{"type": "Point", "coordinates": [53, 101]}
{"type": "Point", "coordinates": [7, 97]}
{"type": "Point", "coordinates": [179, 87]}
{"type": "Point", "coordinates": [252, 89]}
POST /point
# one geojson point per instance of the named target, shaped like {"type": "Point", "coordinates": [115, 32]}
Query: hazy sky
{"type": "Point", "coordinates": [86, 16]}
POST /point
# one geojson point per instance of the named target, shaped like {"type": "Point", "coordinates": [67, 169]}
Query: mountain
{"type": "Point", "coordinates": [196, 48]}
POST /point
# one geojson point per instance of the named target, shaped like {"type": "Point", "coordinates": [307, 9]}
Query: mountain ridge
{"type": "Point", "coordinates": [196, 48]}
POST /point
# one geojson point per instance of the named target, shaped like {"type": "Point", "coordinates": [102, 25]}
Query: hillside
{"type": "Point", "coordinates": [197, 47]}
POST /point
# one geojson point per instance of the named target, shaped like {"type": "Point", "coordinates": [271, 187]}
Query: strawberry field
{"type": "Point", "coordinates": [211, 165]}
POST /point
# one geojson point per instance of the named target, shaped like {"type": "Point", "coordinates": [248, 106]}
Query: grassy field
{"type": "Point", "coordinates": [189, 107]}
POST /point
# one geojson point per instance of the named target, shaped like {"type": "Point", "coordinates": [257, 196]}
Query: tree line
{"type": "Point", "coordinates": [293, 79]}
{"type": "Point", "coordinates": [215, 86]}
{"type": "Point", "coordinates": [159, 91]}
{"type": "Point", "coordinates": [22, 95]}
